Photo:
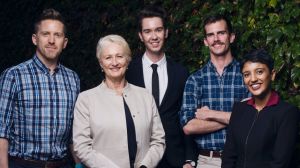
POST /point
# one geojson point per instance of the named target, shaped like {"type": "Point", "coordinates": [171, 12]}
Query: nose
{"type": "Point", "coordinates": [51, 39]}
{"type": "Point", "coordinates": [114, 61]}
{"type": "Point", "coordinates": [216, 37]}
{"type": "Point", "coordinates": [153, 35]}
{"type": "Point", "coordinates": [253, 78]}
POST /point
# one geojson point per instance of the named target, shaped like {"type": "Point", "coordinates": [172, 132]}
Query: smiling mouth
{"type": "Point", "coordinates": [255, 86]}
{"type": "Point", "coordinates": [155, 44]}
{"type": "Point", "coordinates": [115, 69]}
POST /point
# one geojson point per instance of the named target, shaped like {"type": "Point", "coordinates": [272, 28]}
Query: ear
{"type": "Point", "coordinates": [33, 38]}
{"type": "Point", "coordinates": [166, 33]}
{"type": "Point", "coordinates": [232, 37]}
{"type": "Point", "coordinates": [273, 75]}
{"type": "Point", "coordinates": [65, 42]}
{"type": "Point", "coordinates": [141, 37]}
{"type": "Point", "coordinates": [205, 42]}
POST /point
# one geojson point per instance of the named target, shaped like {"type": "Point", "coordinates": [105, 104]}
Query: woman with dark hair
{"type": "Point", "coordinates": [263, 129]}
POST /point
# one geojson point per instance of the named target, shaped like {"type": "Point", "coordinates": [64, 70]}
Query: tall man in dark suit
{"type": "Point", "coordinates": [165, 79]}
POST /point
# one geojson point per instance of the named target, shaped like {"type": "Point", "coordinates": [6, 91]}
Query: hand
{"type": "Point", "coordinates": [187, 165]}
{"type": "Point", "coordinates": [204, 113]}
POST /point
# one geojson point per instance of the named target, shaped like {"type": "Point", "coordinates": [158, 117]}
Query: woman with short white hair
{"type": "Point", "coordinates": [116, 124]}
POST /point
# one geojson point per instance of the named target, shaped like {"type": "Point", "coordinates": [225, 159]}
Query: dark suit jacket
{"type": "Point", "coordinates": [178, 146]}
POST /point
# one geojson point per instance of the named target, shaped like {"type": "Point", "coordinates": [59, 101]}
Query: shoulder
{"type": "Point", "coordinates": [137, 89]}
{"type": "Point", "coordinates": [241, 104]}
{"type": "Point", "coordinates": [136, 59]}
{"type": "Point", "coordinates": [69, 71]}
{"type": "Point", "coordinates": [170, 61]}
{"type": "Point", "coordinates": [287, 107]}
{"type": "Point", "coordinates": [198, 74]}
{"type": "Point", "coordinates": [177, 71]}
{"type": "Point", "coordinates": [15, 70]}
{"type": "Point", "coordinates": [89, 93]}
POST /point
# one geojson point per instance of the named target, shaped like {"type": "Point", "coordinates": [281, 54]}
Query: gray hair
{"type": "Point", "coordinates": [113, 39]}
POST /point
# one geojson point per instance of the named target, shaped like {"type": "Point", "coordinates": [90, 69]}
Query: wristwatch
{"type": "Point", "coordinates": [192, 163]}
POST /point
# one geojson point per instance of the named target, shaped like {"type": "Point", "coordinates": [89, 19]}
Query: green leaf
{"type": "Point", "coordinates": [272, 3]}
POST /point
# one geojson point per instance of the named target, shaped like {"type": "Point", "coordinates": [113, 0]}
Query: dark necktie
{"type": "Point", "coordinates": [155, 84]}
{"type": "Point", "coordinates": [131, 137]}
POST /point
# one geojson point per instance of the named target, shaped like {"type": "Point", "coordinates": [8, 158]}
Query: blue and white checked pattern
{"type": "Point", "coordinates": [36, 109]}
{"type": "Point", "coordinates": [207, 88]}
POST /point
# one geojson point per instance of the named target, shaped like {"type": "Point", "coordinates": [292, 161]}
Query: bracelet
{"type": "Point", "coordinates": [79, 165]}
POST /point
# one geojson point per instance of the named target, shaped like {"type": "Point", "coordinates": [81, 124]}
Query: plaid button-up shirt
{"type": "Point", "coordinates": [36, 109]}
{"type": "Point", "coordinates": [206, 87]}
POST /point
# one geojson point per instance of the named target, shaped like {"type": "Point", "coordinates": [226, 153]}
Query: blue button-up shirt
{"type": "Point", "coordinates": [36, 109]}
{"type": "Point", "coordinates": [206, 87]}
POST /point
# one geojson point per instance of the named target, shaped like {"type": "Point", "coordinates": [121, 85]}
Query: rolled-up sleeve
{"type": "Point", "coordinates": [189, 101]}
{"type": "Point", "coordinates": [7, 94]}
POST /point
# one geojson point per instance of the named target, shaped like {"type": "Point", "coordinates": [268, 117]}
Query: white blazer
{"type": "Point", "coordinates": [100, 133]}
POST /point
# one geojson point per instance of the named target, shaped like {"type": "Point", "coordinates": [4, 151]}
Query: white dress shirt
{"type": "Point", "coordinates": [162, 75]}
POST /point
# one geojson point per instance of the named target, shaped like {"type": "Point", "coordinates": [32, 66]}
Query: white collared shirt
{"type": "Point", "coordinates": [162, 75]}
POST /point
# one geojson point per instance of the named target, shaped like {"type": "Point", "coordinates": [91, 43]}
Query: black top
{"type": "Point", "coordinates": [131, 137]}
{"type": "Point", "coordinates": [264, 139]}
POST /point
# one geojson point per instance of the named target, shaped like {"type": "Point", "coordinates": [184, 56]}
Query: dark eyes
{"type": "Point", "coordinates": [258, 72]}
{"type": "Point", "coordinates": [59, 35]}
{"type": "Point", "coordinates": [246, 75]}
{"type": "Point", "coordinates": [218, 33]}
{"type": "Point", "coordinates": [158, 30]}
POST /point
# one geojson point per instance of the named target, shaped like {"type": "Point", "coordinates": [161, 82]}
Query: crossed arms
{"type": "Point", "coordinates": [206, 121]}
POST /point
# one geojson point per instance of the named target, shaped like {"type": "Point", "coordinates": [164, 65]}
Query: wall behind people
{"type": "Point", "coordinates": [259, 24]}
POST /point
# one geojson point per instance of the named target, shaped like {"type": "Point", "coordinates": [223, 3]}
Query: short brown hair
{"type": "Point", "coordinates": [152, 11]}
{"type": "Point", "coordinates": [51, 14]}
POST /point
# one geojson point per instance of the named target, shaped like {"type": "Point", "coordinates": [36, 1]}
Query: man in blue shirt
{"type": "Point", "coordinates": [36, 102]}
{"type": "Point", "coordinates": [210, 92]}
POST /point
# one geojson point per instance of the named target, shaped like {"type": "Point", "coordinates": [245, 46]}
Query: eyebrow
{"type": "Point", "coordinates": [218, 32]}
{"type": "Point", "coordinates": [154, 28]}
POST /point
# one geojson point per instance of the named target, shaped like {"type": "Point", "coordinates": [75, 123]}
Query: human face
{"type": "Point", "coordinates": [114, 61]}
{"type": "Point", "coordinates": [153, 35]}
{"type": "Point", "coordinates": [218, 39]}
{"type": "Point", "coordinates": [50, 41]}
{"type": "Point", "coordinates": [258, 78]}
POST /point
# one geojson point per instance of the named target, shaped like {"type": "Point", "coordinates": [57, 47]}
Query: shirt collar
{"type": "Point", "coordinates": [273, 100]}
{"type": "Point", "coordinates": [42, 66]}
{"type": "Point", "coordinates": [234, 62]}
{"type": "Point", "coordinates": [148, 62]}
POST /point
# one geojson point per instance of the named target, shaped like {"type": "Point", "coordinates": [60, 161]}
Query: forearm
{"type": "Point", "coordinates": [221, 117]}
{"type": "Point", "coordinates": [3, 153]}
{"type": "Point", "coordinates": [198, 126]}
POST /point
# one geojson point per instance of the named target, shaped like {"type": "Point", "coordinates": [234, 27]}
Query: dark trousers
{"type": "Point", "coordinates": [14, 164]}
{"type": "Point", "coordinates": [165, 164]}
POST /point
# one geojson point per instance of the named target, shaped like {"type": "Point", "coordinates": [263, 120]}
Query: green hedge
{"type": "Point", "coordinates": [273, 25]}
